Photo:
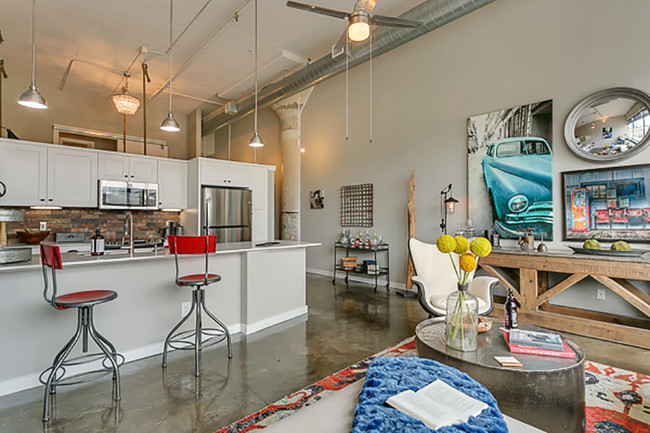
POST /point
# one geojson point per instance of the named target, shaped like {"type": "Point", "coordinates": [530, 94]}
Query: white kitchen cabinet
{"type": "Point", "coordinates": [223, 173]}
{"type": "Point", "coordinates": [260, 230]}
{"type": "Point", "coordinates": [113, 167]}
{"type": "Point", "coordinates": [127, 168]}
{"type": "Point", "coordinates": [71, 178]}
{"type": "Point", "coordinates": [172, 185]}
{"type": "Point", "coordinates": [258, 183]}
{"type": "Point", "coordinates": [23, 170]}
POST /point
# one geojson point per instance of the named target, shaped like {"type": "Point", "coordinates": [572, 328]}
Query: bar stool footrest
{"type": "Point", "coordinates": [85, 376]}
{"type": "Point", "coordinates": [179, 341]}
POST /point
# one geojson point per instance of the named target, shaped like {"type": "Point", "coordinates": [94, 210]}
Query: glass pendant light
{"type": "Point", "coordinates": [31, 98]}
{"type": "Point", "coordinates": [256, 140]}
{"type": "Point", "coordinates": [170, 124]}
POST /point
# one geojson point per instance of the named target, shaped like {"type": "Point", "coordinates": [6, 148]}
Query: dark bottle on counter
{"type": "Point", "coordinates": [511, 311]}
{"type": "Point", "coordinates": [97, 244]}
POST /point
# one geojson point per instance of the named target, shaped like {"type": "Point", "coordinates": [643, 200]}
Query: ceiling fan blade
{"type": "Point", "coordinates": [318, 10]}
{"type": "Point", "coordinates": [368, 5]}
{"type": "Point", "coordinates": [394, 21]}
{"type": "Point", "coordinates": [339, 47]}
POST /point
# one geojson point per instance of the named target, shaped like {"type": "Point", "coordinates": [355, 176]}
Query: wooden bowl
{"type": "Point", "coordinates": [32, 237]}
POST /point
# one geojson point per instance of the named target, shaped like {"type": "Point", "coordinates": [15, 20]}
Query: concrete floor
{"type": "Point", "coordinates": [343, 326]}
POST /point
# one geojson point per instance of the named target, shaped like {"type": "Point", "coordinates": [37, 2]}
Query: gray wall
{"type": "Point", "coordinates": [509, 53]}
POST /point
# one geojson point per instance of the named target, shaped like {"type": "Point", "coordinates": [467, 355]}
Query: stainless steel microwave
{"type": "Point", "coordinates": [116, 194]}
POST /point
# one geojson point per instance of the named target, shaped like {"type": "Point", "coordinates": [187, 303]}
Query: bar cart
{"type": "Point", "coordinates": [375, 252]}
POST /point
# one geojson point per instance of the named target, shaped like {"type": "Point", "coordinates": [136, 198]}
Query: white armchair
{"type": "Point", "coordinates": [435, 279]}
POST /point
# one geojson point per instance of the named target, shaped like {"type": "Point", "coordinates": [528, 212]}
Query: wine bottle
{"type": "Point", "coordinates": [511, 311]}
{"type": "Point", "coordinates": [97, 244]}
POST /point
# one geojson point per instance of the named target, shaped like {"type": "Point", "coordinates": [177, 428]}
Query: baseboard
{"type": "Point", "coordinates": [273, 320]}
{"type": "Point", "coordinates": [28, 381]}
{"type": "Point", "coordinates": [355, 278]}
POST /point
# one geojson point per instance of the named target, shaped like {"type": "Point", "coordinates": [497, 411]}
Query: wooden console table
{"type": "Point", "coordinates": [531, 269]}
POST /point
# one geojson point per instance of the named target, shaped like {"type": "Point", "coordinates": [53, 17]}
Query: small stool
{"type": "Point", "coordinates": [84, 302]}
{"type": "Point", "coordinates": [183, 340]}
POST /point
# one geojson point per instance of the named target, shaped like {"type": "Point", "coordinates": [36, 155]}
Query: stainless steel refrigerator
{"type": "Point", "coordinates": [227, 213]}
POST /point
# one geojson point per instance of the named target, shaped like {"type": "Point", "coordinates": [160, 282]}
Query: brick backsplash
{"type": "Point", "coordinates": [146, 224]}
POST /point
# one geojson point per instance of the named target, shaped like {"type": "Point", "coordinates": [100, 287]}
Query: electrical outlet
{"type": "Point", "coordinates": [185, 308]}
{"type": "Point", "coordinates": [600, 294]}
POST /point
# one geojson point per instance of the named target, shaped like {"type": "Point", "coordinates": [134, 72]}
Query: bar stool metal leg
{"type": "Point", "coordinates": [196, 295]}
{"type": "Point", "coordinates": [225, 329]}
{"type": "Point", "coordinates": [117, 396]}
{"type": "Point", "coordinates": [59, 359]}
{"type": "Point", "coordinates": [173, 331]}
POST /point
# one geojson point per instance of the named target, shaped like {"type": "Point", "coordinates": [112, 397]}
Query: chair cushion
{"type": "Point", "coordinates": [198, 279]}
{"type": "Point", "coordinates": [84, 299]}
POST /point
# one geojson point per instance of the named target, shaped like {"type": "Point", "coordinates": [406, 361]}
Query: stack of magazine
{"type": "Point", "coordinates": [537, 343]}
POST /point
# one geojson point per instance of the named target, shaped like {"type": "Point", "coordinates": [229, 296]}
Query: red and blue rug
{"type": "Point", "coordinates": [618, 401]}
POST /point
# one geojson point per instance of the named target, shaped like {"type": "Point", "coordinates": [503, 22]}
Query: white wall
{"type": "Point", "coordinates": [506, 54]}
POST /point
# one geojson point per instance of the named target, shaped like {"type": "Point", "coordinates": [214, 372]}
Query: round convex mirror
{"type": "Point", "coordinates": [609, 125]}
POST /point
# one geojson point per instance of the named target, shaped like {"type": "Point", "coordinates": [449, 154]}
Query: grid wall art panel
{"type": "Point", "coordinates": [357, 203]}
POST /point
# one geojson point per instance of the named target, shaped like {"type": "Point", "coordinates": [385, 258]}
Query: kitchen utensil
{"type": "Point", "coordinates": [32, 237]}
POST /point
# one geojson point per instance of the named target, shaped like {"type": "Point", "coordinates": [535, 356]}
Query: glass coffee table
{"type": "Point", "coordinates": [548, 392]}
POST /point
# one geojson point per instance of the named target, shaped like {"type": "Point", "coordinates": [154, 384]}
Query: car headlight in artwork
{"type": "Point", "coordinates": [518, 203]}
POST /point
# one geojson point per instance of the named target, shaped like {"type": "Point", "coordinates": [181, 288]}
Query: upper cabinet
{"type": "Point", "coordinates": [127, 168]}
{"type": "Point", "coordinates": [172, 185]}
{"type": "Point", "coordinates": [23, 171]}
{"type": "Point", "coordinates": [71, 178]}
{"type": "Point", "coordinates": [223, 173]}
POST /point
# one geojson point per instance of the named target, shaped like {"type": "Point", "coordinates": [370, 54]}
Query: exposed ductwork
{"type": "Point", "coordinates": [432, 13]}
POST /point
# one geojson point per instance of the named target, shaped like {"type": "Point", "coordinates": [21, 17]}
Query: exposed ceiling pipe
{"type": "Point", "coordinates": [432, 13]}
{"type": "Point", "coordinates": [202, 47]}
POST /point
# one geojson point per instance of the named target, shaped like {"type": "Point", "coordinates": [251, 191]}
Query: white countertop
{"type": "Point", "coordinates": [113, 256]}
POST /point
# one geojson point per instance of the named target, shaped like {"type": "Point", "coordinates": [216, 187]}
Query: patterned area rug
{"type": "Point", "coordinates": [618, 401]}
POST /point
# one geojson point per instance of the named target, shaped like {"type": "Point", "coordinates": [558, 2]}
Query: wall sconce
{"type": "Point", "coordinates": [447, 207]}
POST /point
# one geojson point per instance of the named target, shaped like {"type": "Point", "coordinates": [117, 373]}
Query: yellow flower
{"type": "Point", "coordinates": [462, 245]}
{"type": "Point", "coordinates": [446, 244]}
{"type": "Point", "coordinates": [467, 262]}
{"type": "Point", "coordinates": [481, 247]}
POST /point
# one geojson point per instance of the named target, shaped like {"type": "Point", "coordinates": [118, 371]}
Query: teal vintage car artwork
{"type": "Point", "coordinates": [518, 173]}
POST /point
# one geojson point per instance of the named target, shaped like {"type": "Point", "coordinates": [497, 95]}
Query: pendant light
{"type": "Point", "coordinates": [32, 98]}
{"type": "Point", "coordinates": [125, 104]}
{"type": "Point", "coordinates": [256, 140]}
{"type": "Point", "coordinates": [170, 124]}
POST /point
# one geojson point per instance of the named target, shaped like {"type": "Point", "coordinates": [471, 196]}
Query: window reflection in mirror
{"type": "Point", "coordinates": [612, 127]}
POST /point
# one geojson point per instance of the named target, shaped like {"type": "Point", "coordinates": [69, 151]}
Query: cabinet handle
{"type": "Point", "coordinates": [50, 199]}
{"type": "Point", "coordinates": [132, 176]}
{"type": "Point", "coordinates": [126, 175]}
{"type": "Point", "coordinates": [42, 199]}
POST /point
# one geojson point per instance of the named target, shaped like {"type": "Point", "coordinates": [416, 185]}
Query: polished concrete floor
{"type": "Point", "coordinates": [344, 325]}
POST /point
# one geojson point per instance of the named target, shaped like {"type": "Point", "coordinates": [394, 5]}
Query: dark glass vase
{"type": "Point", "coordinates": [462, 320]}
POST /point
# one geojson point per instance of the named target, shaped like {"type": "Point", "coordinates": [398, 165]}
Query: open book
{"type": "Point", "coordinates": [437, 405]}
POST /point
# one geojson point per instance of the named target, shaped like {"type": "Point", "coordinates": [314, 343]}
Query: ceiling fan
{"type": "Point", "coordinates": [359, 21]}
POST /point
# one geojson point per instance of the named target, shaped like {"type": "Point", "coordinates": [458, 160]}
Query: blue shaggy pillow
{"type": "Point", "coordinates": [389, 376]}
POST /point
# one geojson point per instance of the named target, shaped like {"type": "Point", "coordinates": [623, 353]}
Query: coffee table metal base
{"type": "Point", "coordinates": [548, 392]}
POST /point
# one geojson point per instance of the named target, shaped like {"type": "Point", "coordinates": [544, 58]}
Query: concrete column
{"type": "Point", "coordinates": [290, 111]}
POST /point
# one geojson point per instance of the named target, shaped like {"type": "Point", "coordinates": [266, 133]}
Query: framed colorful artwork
{"type": "Point", "coordinates": [607, 204]}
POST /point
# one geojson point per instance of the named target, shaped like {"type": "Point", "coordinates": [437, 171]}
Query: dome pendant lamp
{"type": "Point", "coordinates": [170, 124]}
{"type": "Point", "coordinates": [256, 140]}
{"type": "Point", "coordinates": [32, 98]}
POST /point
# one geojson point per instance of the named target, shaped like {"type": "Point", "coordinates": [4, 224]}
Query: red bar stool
{"type": "Point", "coordinates": [84, 302]}
{"type": "Point", "coordinates": [183, 340]}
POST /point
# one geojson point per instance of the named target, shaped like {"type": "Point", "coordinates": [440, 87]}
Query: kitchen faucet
{"type": "Point", "coordinates": [128, 231]}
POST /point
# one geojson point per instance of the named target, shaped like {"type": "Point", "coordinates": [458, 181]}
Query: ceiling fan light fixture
{"type": "Point", "coordinates": [359, 28]}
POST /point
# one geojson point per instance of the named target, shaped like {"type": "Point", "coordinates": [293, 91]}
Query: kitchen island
{"type": "Point", "coordinates": [261, 286]}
